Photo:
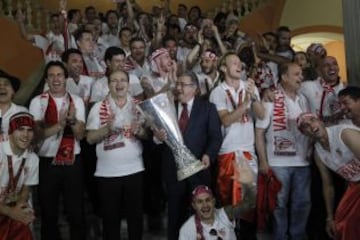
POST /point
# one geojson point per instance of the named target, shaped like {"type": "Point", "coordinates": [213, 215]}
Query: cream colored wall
{"type": "Point", "coordinates": [337, 50]}
{"type": "Point", "coordinates": [316, 16]}
{"type": "Point", "coordinates": [304, 13]}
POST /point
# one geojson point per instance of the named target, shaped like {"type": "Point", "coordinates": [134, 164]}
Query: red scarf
{"type": "Point", "coordinates": [199, 228]}
{"type": "Point", "coordinates": [327, 89]}
{"type": "Point", "coordinates": [65, 154]}
{"type": "Point", "coordinates": [13, 181]}
{"type": "Point", "coordinates": [268, 188]}
{"type": "Point", "coordinates": [244, 117]}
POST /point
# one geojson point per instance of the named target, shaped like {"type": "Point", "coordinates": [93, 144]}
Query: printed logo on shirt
{"type": "Point", "coordinates": [351, 170]}
{"type": "Point", "coordinates": [281, 144]}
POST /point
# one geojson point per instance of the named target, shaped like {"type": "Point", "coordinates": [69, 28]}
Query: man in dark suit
{"type": "Point", "coordinates": [201, 129]}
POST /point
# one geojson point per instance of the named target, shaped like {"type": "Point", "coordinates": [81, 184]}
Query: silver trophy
{"type": "Point", "coordinates": [160, 112]}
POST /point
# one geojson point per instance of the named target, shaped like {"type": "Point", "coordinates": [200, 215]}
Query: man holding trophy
{"type": "Point", "coordinates": [198, 125]}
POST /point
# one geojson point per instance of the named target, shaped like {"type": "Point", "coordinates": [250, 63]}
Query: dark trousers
{"type": "Point", "coordinates": [153, 187]}
{"type": "Point", "coordinates": [121, 196]}
{"type": "Point", "coordinates": [65, 181]}
{"type": "Point", "coordinates": [317, 220]}
{"type": "Point", "coordinates": [88, 152]}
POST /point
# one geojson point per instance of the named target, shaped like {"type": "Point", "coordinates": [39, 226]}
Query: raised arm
{"type": "Point", "coordinates": [160, 27]}
{"type": "Point", "coordinates": [217, 36]}
{"type": "Point", "coordinates": [193, 57]}
{"type": "Point", "coordinates": [21, 19]}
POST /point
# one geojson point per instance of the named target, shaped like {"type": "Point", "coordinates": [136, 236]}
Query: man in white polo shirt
{"type": "Point", "coordinates": [237, 102]}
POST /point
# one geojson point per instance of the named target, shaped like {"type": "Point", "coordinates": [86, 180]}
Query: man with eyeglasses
{"type": "Point", "coordinates": [200, 127]}
{"type": "Point", "coordinates": [209, 222]}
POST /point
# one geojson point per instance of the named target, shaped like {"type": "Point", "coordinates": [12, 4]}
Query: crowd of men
{"type": "Point", "coordinates": [247, 107]}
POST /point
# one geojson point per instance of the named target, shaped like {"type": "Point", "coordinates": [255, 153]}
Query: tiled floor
{"type": "Point", "coordinates": [94, 232]}
{"type": "Point", "coordinates": [93, 223]}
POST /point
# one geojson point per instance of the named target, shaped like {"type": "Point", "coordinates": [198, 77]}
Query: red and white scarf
{"type": "Point", "coordinates": [264, 77]}
{"type": "Point", "coordinates": [327, 90]}
{"type": "Point", "coordinates": [244, 117]}
{"type": "Point", "coordinates": [329, 104]}
{"type": "Point", "coordinates": [283, 137]}
{"type": "Point", "coordinates": [108, 109]}
{"type": "Point", "coordinates": [66, 149]}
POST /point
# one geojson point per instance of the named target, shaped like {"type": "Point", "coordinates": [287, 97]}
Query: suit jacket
{"type": "Point", "coordinates": [202, 136]}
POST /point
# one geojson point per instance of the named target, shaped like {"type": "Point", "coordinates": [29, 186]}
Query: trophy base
{"type": "Point", "coordinates": [190, 170]}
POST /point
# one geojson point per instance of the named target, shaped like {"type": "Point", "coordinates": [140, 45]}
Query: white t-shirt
{"type": "Point", "coordinates": [94, 65]}
{"type": "Point", "coordinates": [340, 159]}
{"type": "Point", "coordinates": [52, 45]}
{"type": "Point", "coordinates": [232, 140]}
{"type": "Point", "coordinates": [6, 119]}
{"type": "Point", "coordinates": [313, 91]}
{"type": "Point", "coordinates": [181, 55]}
{"type": "Point", "coordinates": [206, 83]}
{"type": "Point", "coordinates": [38, 105]}
{"type": "Point", "coordinates": [294, 109]}
{"type": "Point", "coordinates": [101, 88]}
{"type": "Point", "coordinates": [29, 175]}
{"type": "Point", "coordinates": [111, 40]}
{"type": "Point", "coordinates": [119, 154]}
{"type": "Point", "coordinates": [136, 69]}
{"type": "Point", "coordinates": [81, 89]}
{"type": "Point", "coordinates": [222, 225]}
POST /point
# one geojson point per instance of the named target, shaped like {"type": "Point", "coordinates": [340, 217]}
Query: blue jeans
{"type": "Point", "coordinates": [293, 203]}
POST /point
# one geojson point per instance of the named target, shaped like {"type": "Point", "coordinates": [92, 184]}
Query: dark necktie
{"type": "Point", "coordinates": [184, 117]}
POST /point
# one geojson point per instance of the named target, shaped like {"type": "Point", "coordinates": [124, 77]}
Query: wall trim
{"type": "Point", "coordinates": [317, 28]}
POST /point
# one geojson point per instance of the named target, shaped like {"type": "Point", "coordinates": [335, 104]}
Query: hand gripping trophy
{"type": "Point", "coordinates": [160, 112]}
